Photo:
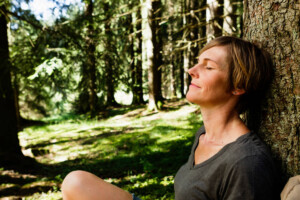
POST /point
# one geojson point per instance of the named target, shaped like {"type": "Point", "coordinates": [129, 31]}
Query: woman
{"type": "Point", "coordinates": [227, 160]}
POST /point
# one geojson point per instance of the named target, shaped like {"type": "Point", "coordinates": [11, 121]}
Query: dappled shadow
{"type": "Point", "coordinates": [138, 159]}
{"type": "Point", "coordinates": [155, 188]}
{"type": "Point", "coordinates": [82, 139]}
{"type": "Point", "coordinates": [172, 105]}
{"type": "Point", "coordinates": [24, 181]}
{"type": "Point", "coordinates": [117, 110]}
{"type": "Point", "coordinates": [153, 164]}
{"type": "Point", "coordinates": [17, 190]}
{"type": "Point", "coordinates": [158, 163]}
{"type": "Point", "coordinates": [15, 180]}
{"type": "Point", "coordinates": [29, 122]}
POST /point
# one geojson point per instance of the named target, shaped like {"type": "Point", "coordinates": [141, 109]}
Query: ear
{"type": "Point", "coordinates": [238, 92]}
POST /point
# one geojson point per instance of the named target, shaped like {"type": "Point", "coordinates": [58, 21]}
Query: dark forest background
{"type": "Point", "coordinates": [98, 54]}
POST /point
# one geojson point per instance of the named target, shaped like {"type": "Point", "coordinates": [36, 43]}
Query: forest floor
{"type": "Point", "coordinates": [137, 150]}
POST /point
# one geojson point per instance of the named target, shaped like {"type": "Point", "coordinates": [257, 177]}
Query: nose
{"type": "Point", "coordinates": [193, 72]}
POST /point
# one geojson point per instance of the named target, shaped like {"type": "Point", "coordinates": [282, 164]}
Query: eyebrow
{"type": "Point", "coordinates": [208, 59]}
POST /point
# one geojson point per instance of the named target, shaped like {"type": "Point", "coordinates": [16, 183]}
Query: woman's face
{"type": "Point", "coordinates": [209, 85]}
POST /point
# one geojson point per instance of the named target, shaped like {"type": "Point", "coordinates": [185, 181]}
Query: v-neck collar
{"type": "Point", "coordinates": [218, 154]}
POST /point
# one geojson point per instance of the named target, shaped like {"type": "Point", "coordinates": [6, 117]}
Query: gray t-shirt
{"type": "Point", "coordinates": [241, 170]}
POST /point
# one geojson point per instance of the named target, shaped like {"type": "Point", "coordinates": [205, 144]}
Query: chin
{"type": "Point", "coordinates": [192, 98]}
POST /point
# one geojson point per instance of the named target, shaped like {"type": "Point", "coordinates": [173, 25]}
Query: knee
{"type": "Point", "coordinates": [73, 182]}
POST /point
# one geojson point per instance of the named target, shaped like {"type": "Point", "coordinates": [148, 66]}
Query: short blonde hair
{"type": "Point", "coordinates": [250, 69]}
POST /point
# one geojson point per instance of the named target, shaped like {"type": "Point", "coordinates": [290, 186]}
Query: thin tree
{"type": "Point", "coordinates": [214, 13]}
{"type": "Point", "coordinates": [139, 67]}
{"type": "Point", "coordinates": [90, 65]}
{"type": "Point", "coordinates": [187, 48]}
{"type": "Point", "coordinates": [202, 26]}
{"type": "Point", "coordinates": [136, 60]}
{"type": "Point", "coordinates": [194, 35]}
{"type": "Point", "coordinates": [275, 26]}
{"type": "Point", "coordinates": [230, 17]}
{"type": "Point", "coordinates": [149, 51]}
{"type": "Point", "coordinates": [109, 64]}
{"type": "Point", "coordinates": [171, 55]}
{"type": "Point", "coordinates": [87, 101]}
{"type": "Point", "coordinates": [158, 46]}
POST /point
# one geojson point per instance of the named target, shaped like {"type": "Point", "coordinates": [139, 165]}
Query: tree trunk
{"type": "Point", "coordinates": [109, 65]}
{"type": "Point", "coordinates": [149, 52]}
{"type": "Point", "coordinates": [9, 142]}
{"type": "Point", "coordinates": [91, 60]}
{"type": "Point", "coordinates": [202, 29]}
{"type": "Point", "coordinates": [173, 78]}
{"type": "Point", "coordinates": [88, 98]}
{"type": "Point", "coordinates": [172, 28]}
{"type": "Point", "coordinates": [276, 27]}
{"type": "Point", "coordinates": [182, 77]}
{"type": "Point", "coordinates": [214, 19]}
{"type": "Point", "coordinates": [136, 64]}
{"type": "Point", "coordinates": [158, 47]}
{"type": "Point", "coordinates": [187, 50]}
{"type": "Point", "coordinates": [230, 19]}
{"type": "Point", "coordinates": [180, 57]}
{"type": "Point", "coordinates": [194, 35]}
{"type": "Point", "coordinates": [131, 22]}
{"type": "Point", "coordinates": [139, 67]}
{"type": "Point", "coordinates": [16, 99]}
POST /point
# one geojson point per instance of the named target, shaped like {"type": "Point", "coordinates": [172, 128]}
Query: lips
{"type": "Point", "coordinates": [193, 85]}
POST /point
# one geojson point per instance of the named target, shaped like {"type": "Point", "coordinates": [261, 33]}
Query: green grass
{"type": "Point", "coordinates": [134, 149]}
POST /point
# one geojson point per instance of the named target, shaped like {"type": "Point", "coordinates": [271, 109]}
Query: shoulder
{"type": "Point", "coordinates": [249, 156]}
{"type": "Point", "coordinates": [252, 177]}
{"type": "Point", "coordinates": [249, 147]}
{"type": "Point", "coordinates": [252, 166]}
{"type": "Point", "coordinates": [250, 169]}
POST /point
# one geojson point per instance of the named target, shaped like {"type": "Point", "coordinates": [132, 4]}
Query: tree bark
{"type": "Point", "coordinates": [187, 50]}
{"type": "Point", "coordinates": [275, 25]}
{"type": "Point", "coordinates": [202, 28]}
{"type": "Point", "coordinates": [230, 18]}
{"type": "Point", "coordinates": [88, 97]}
{"type": "Point", "coordinates": [149, 51]}
{"type": "Point", "coordinates": [194, 35]}
{"type": "Point", "coordinates": [136, 64]}
{"type": "Point", "coordinates": [131, 21]}
{"type": "Point", "coordinates": [91, 60]}
{"type": "Point", "coordinates": [139, 67]}
{"type": "Point", "coordinates": [171, 29]}
{"type": "Point", "coordinates": [182, 77]}
{"type": "Point", "coordinates": [214, 19]}
{"type": "Point", "coordinates": [158, 46]}
{"type": "Point", "coordinates": [15, 87]}
{"type": "Point", "coordinates": [109, 65]}
{"type": "Point", "coordinates": [9, 142]}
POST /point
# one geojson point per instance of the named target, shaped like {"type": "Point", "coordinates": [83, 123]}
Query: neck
{"type": "Point", "coordinates": [222, 125]}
